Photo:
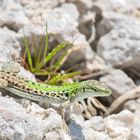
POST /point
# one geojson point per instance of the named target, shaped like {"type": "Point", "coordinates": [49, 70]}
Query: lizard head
{"type": "Point", "coordinates": [92, 88]}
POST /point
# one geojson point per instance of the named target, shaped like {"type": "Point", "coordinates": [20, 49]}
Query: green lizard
{"type": "Point", "coordinates": [20, 86]}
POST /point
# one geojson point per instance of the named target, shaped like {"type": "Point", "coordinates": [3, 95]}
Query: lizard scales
{"type": "Point", "coordinates": [56, 94]}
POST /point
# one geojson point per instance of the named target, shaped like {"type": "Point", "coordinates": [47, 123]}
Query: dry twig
{"type": "Point", "coordinates": [132, 94]}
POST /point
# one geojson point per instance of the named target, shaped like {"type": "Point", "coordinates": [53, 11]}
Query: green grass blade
{"type": "Point", "coordinates": [42, 50]}
{"type": "Point", "coordinates": [55, 51]}
{"type": "Point", "coordinates": [39, 50]}
{"type": "Point", "coordinates": [62, 59]}
{"type": "Point", "coordinates": [59, 78]}
{"type": "Point", "coordinates": [59, 62]}
{"type": "Point", "coordinates": [42, 53]}
{"type": "Point", "coordinates": [44, 73]}
{"type": "Point", "coordinates": [33, 45]}
{"type": "Point", "coordinates": [51, 54]}
{"type": "Point", "coordinates": [46, 44]}
{"type": "Point", "coordinates": [26, 45]}
{"type": "Point", "coordinates": [73, 68]}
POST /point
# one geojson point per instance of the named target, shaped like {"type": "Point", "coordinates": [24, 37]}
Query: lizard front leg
{"type": "Point", "coordinates": [62, 107]}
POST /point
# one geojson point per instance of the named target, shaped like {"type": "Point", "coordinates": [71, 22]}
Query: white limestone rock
{"type": "Point", "coordinates": [17, 123]}
{"type": "Point", "coordinates": [86, 18]}
{"type": "Point", "coordinates": [111, 20]}
{"type": "Point", "coordinates": [133, 106]}
{"type": "Point", "coordinates": [114, 127]}
{"type": "Point", "coordinates": [118, 82]}
{"type": "Point", "coordinates": [9, 45]}
{"type": "Point", "coordinates": [116, 5]}
{"type": "Point", "coordinates": [82, 54]}
{"type": "Point", "coordinates": [119, 126]}
{"type": "Point", "coordinates": [135, 133]}
{"type": "Point", "coordinates": [13, 16]}
{"type": "Point", "coordinates": [17, 14]}
{"type": "Point", "coordinates": [63, 21]}
{"type": "Point", "coordinates": [44, 4]}
{"type": "Point", "coordinates": [120, 46]}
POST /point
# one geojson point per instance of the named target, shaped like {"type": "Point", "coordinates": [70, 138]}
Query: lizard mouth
{"type": "Point", "coordinates": [91, 93]}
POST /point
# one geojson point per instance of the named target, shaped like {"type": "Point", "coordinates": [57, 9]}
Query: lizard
{"type": "Point", "coordinates": [18, 85]}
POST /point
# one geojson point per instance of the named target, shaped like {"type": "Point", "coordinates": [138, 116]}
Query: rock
{"type": "Point", "coordinates": [116, 5]}
{"type": "Point", "coordinates": [9, 45]}
{"type": "Point", "coordinates": [13, 16]}
{"type": "Point", "coordinates": [111, 20]}
{"type": "Point", "coordinates": [97, 64]}
{"type": "Point", "coordinates": [82, 54]}
{"type": "Point", "coordinates": [16, 123]}
{"type": "Point", "coordinates": [133, 106]}
{"type": "Point", "coordinates": [97, 123]}
{"type": "Point", "coordinates": [118, 82]}
{"type": "Point", "coordinates": [86, 19]}
{"type": "Point", "coordinates": [75, 131]}
{"type": "Point", "coordinates": [89, 130]}
{"type": "Point", "coordinates": [62, 23]}
{"type": "Point", "coordinates": [45, 5]}
{"type": "Point", "coordinates": [135, 133]}
{"type": "Point", "coordinates": [90, 134]}
{"type": "Point", "coordinates": [119, 126]}
{"type": "Point", "coordinates": [74, 112]}
{"type": "Point", "coordinates": [14, 19]}
{"type": "Point", "coordinates": [16, 15]}
{"type": "Point", "coordinates": [120, 47]}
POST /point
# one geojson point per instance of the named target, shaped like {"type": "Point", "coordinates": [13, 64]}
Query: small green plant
{"type": "Point", "coordinates": [39, 62]}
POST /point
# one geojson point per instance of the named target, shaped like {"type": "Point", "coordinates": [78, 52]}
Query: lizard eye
{"type": "Point", "coordinates": [95, 89]}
